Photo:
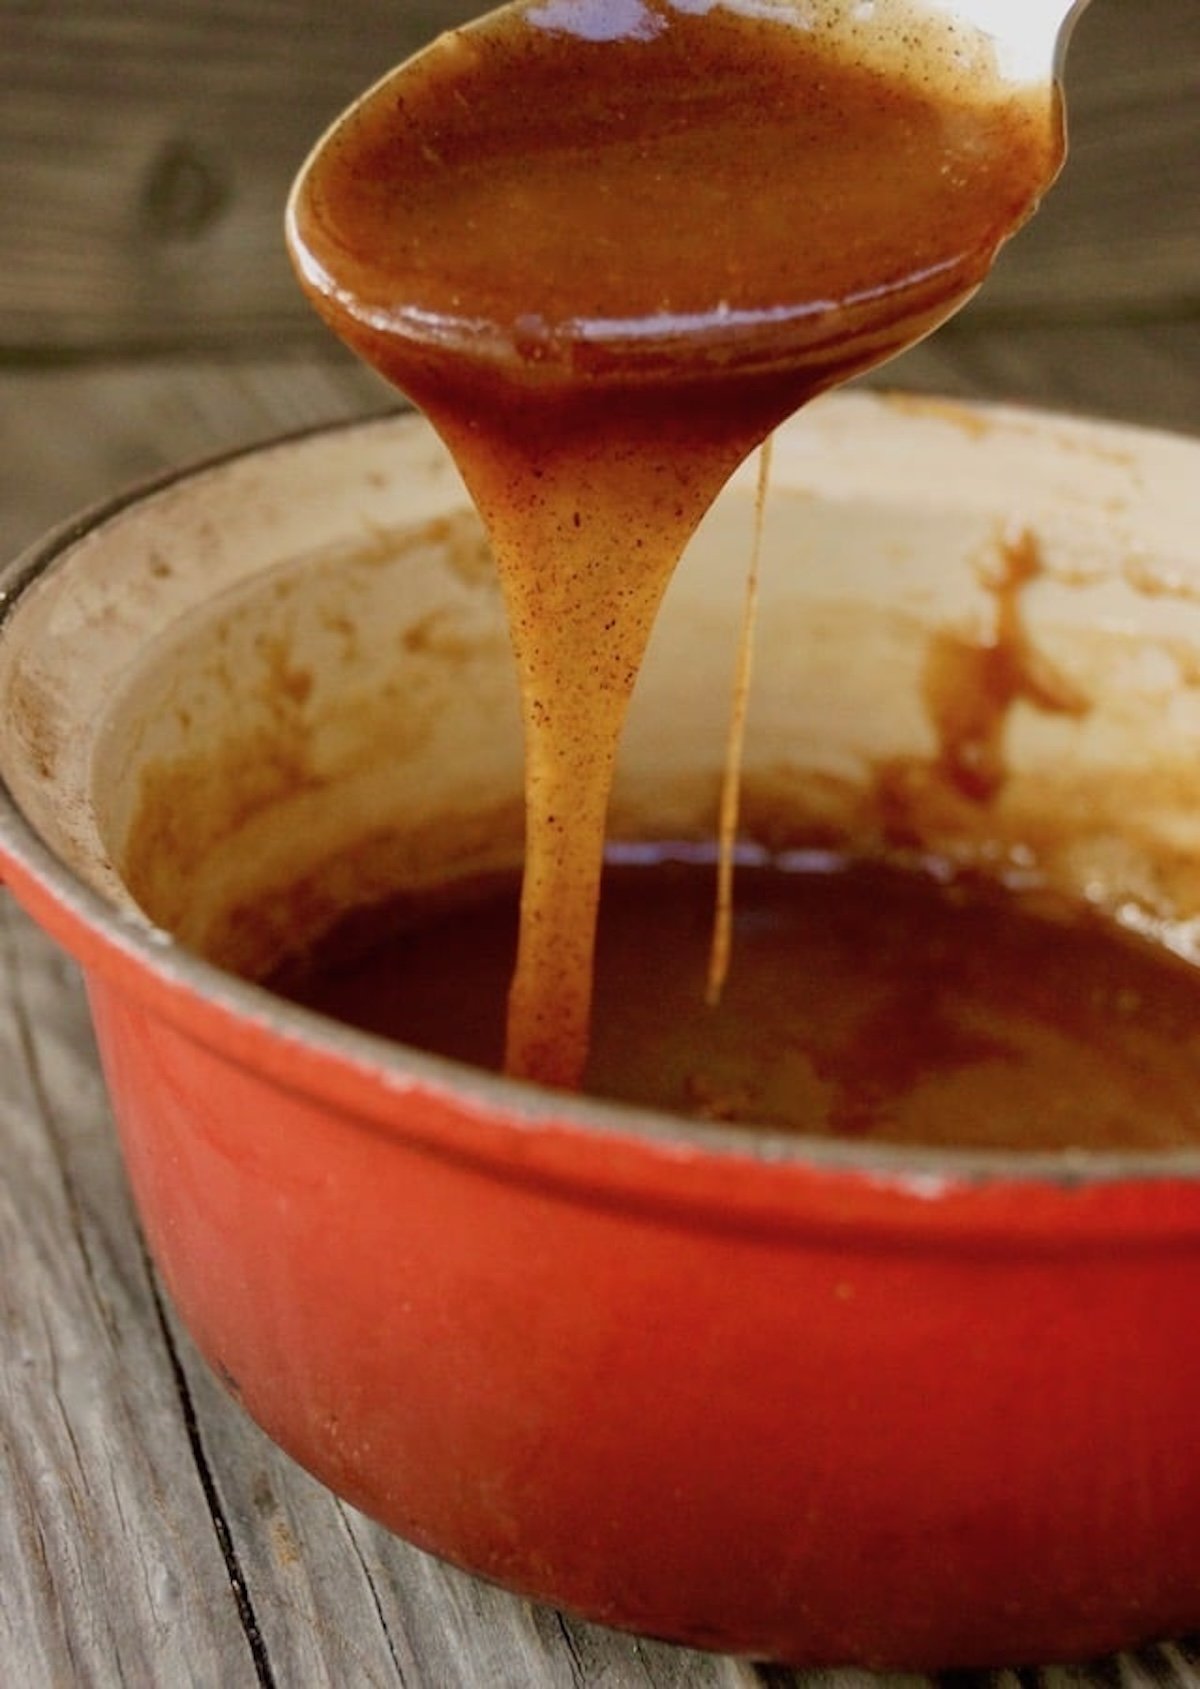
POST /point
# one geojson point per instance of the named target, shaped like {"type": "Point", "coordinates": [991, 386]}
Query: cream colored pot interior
{"type": "Point", "coordinates": [282, 686]}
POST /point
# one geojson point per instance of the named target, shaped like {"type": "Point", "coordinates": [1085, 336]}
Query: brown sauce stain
{"type": "Point", "coordinates": [971, 685]}
{"type": "Point", "coordinates": [974, 424]}
{"type": "Point", "coordinates": [286, 683]}
{"type": "Point", "coordinates": [188, 804]}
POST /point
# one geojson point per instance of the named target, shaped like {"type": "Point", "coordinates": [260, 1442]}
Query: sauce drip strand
{"type": "Point", "coordinates": [607, 246]}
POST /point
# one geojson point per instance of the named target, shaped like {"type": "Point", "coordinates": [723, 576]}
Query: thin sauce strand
{"type": "Point", "coordinates": [721, 951]}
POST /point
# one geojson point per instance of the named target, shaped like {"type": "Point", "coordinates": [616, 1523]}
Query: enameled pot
{"type": "Point", "coordinates": [825, 1402]}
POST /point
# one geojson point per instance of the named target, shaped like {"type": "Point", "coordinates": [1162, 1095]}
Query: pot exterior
{"type": "Point", "coordinates": [824, 1444]}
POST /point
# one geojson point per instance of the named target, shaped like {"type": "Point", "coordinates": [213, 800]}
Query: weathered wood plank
{"type": "Point", "coordinates": [1121, 231]}
{"type": "Point", "coordinates": [1144, 373]}
{"type": "Point", "coordinates": [145, 150]}
{"type": "Point", "coordinates": [69, 437]}
{"type": "Point", "coordinates": [146, 147]}
{"type": "Point", "coordinates": [110, 1569]}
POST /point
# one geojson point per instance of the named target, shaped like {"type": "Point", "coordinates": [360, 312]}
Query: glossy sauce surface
{"type": "Point", "coordinates": [868, 1001]}
{"type": "Point", "coordinates": [608, 245]}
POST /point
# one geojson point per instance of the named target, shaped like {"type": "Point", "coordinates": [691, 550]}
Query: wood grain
{"type": "Point", "coordinates": [146, 147]}
{"type": "Point", "coordinates": [70, 437]}
{"type": "Point", "coordinates": [101, 1513]}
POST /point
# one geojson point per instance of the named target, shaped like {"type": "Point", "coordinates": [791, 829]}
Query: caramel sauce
{"type": "Point", "coordinates": [871, 1001]}
{"type": "Point", "coordinates": [607, 247]}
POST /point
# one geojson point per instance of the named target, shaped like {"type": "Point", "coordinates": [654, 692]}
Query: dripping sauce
{"type": "Point", "coordinates": [607, 249]}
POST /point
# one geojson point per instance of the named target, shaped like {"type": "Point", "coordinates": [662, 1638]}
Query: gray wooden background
{"type": "Point", "coordinates": [148, 1535]}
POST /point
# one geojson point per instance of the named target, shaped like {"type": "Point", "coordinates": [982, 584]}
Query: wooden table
{"type": "Point", "coordinates": [148, 1534]}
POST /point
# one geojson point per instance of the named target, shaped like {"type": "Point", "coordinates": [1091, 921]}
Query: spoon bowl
{"type": "Point", "coordinates": [570, 278]}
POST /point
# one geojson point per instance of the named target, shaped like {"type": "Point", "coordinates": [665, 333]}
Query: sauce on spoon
{"type": "Point", "coordinates": [607, 246]}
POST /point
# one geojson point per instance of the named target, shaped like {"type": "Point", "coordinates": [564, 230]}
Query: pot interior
{"type": "Point", "coordinates": [281, 687]}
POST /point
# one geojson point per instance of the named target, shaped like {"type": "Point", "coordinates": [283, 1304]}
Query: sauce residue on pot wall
{"type": "Point", "coordinates": [607, 249]}
{"type": "Point", "coordinates": [971, 684]}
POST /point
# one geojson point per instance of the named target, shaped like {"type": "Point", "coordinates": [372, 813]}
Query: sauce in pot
{"type": "Point", "coordinates": [870, 1001]}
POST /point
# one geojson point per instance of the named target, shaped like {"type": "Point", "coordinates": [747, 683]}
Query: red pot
{"type": "Point", "coordinates": [818, 1401]}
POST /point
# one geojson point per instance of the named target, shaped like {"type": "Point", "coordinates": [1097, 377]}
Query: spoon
{"type": "Point", "coordinates": [607, 246]}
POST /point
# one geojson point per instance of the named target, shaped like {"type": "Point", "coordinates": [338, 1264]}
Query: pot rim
{"type": "Point", "coordinates": [116, 935]}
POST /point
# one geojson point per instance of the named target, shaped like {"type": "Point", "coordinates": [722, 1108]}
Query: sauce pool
{"type": "Point", "coordinates": [871, 1001]}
